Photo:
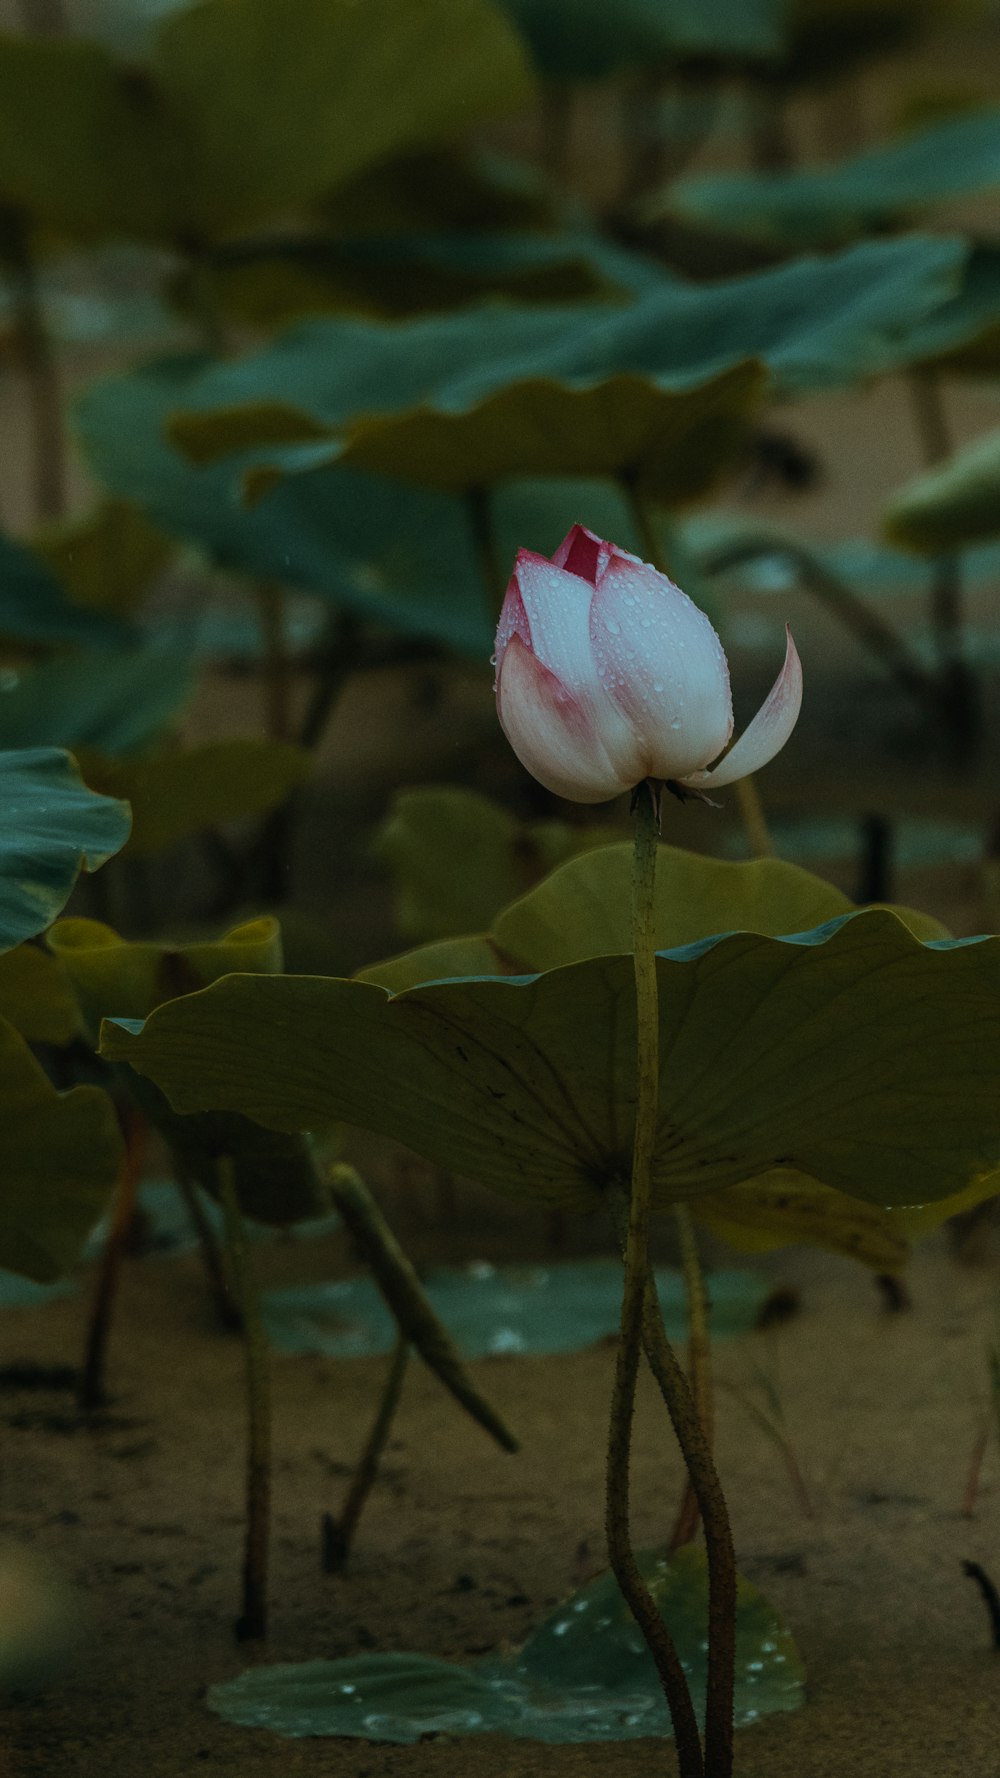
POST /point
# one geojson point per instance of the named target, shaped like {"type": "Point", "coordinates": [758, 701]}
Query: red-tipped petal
{"type": "Point", "coordinates": [766, 734]}
{"type": "Point", "coordinates": [551, 731]}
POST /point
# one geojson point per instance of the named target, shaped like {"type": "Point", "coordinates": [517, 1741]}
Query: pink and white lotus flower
{"type": "Point", "coordinates": [606, 674]}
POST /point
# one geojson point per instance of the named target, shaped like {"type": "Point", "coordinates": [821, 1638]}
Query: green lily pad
{"type": "Point", "coordinates": [400, 556]}
{"type": "Point", "coordinates": [585, 1675]}
{"type": "Point", "coordinates": [446, 398]}
{"type": "Point", "coordinates": [179, 793]}
{"type": "Point", "coordinates": [163, 151]}
{"type": "Point", "coordinates": [498, 1309]}
{"type": "Point", "coordinates": [875, 189]}
{"type": "Point", "coordinates": [429, 828]}
{"type": "Point", "coordinates": [112, 702]}
{"type": "Point", "coordinates": [107, 559]}
{"type": "Point", "coordinates": [34, 606]}
{"type": "Point", "coordinates": [853, 1053]}
{"type": "Point", "coordinates": [60, 1155]}
{"type": "Point", "coordinates": [945, 509]}
{"type": "Point", "coordinates": [36, 996]}
{"type": "Point", "coordinates": [582, 910]}
{"type": "Point", "coordinates": [53, 828]}
{"type": "Point", "coordinates": [585, 40]}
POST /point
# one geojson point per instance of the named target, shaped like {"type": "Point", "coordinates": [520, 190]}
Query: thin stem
{"type": "Point", "coordinates": [338, 1533]}
{"type": "Point", "coordinates": [211, 1254]}
{"type": "Point", "coordinates": [753, 818]}
{"type": "Point", "coordinates": [699, 1364]}
{"type": "Point", "coordinates": [958, 699]}
{"type": "Point", "coordinates": [674, 1388]}
{"type": "Point", "coordinates": [92, 1378]}
{"type": "Point", "coordinates": [47, 434]}
{"type": "Point", "coordinates": [479, 502]}
{"type": "Point", "coordinates": [271, 604]}
{"type": "Point", "coordinates": [252, 1623]}
{"type": "Point", "coordinates": [636, 1218]}
{"type": "Point", "coordinates": [555, 119]}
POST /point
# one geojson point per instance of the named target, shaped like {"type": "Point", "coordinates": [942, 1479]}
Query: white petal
{"type": "Point", "coordinates": [663, 665]}
{"type": "Point", "coordinates": [557, 606]}
{"type": "Point", "coordinates": [552, 732]}
{"type": "Point", "coordinates": [766, 734]}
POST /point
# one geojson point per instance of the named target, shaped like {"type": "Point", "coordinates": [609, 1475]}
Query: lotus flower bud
{"type": "Point", "coordinates": [608, 674]}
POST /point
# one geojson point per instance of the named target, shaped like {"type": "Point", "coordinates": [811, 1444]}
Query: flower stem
{"type": "Point", "coordinates": [92, 1377]}
{"type": "Point", "coordinates": [699, 1364]}
{"type": "Point", "coordinates": [252, 1623]}
{"type": "Point", "coordinates": [634, 1216]}
{"type": "Point", "coordinates": [339, 1532]}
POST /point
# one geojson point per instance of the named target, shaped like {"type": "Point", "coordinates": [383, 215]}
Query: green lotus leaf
{"type": "Point", "coordinates": [60, 1154]}
{"type": "Point", "coordinates": [53, 828]}
{"type": "Point", "coordinates": [397, 555]}
{"type": "Point", "coordinates": [853, 1053]}
{"type": "Point", "coordinates": [174, 794]}
{"type": "Point", "coordinates": [114, 702]}
{"type": "Point", "coordinates": [444, 188]}
{"type": "Point", "coordinates": [105, 560]}
{"type": "Point", "coordinates": [36, 996]}
{"type": "Point", "coordinates": [585, 40]}
{"type": "Point", "coordinates": [113, 977]}
{"type": "Point", "coordinates": [945, 509]}
{"type": "Point", "coordinates": [830, 38]}
{"type": "Point", "coordinates": [451, 387]}
{"type": "Point", "coordinates": [783, 1208]}
{"type": "Point", "coordinates": [584, 1675]}
{"type": "Point", "coordinates": [240, 113]}
{"type": "Point", "coordinates": [428, 827]}
{"type": "Point", "coordinates": [582, 909]}
{"type": "Point", "coordinates": [876, 189]}
{"type": "Point", "coordinates": [34, 606]}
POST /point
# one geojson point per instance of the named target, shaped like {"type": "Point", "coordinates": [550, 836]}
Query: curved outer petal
{"type": "Point", "coordinates": [552, 731]}
{"type": "Point", "coordinates": [659, 659]}
{"type": "Point", "coordinates": [766, 734]}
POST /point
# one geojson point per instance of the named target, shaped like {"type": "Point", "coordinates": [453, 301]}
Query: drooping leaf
{"type": "Point", "coordinates": [276, 1176]}
{"type": "Point", "coordinates": [490, 1310]}
{"type": "Point", "coordinates": [34, 607]}
{"type": "Point", "coordinates": [377, 396]}
{"type": "Point", "coordinates": [876, 189]}
{"type": "Point", "coordinates": [584, 1675]}
{"type": "Point", "coordinates": [53, 828]}
{"type": "Point", "coordinates": [114, 702]}
{"type": "Point", "coordinates": [175, 794]}
{"type": "Point", "coordinates": [60, 1154]}
{"type": "Point", "coordinates": [853, 1053]}
{"type": "Point", "coordinates": [106, 560]}
{"type": "Point", "coordinates": [398, 555]}
{"type": "Point", "coordinates": [165, 152]}
{"type": "Point", "coordinates": [36, 997]}
{"type": "Point", "coordinates": [429, 829]}
{"type": "Point", "coordinates": [782, 1209]}
{"type": "Point", "coordinates": [945, 509]}
{"type": "Point", "coordinates": [582, 910]}
{"type": "Point", "coordinates": [585, 40]}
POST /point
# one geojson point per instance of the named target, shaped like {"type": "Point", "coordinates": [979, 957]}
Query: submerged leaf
{"type": "Point", "coordinates": [584, 1675]}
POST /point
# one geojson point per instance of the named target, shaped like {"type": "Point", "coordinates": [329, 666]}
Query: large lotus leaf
{"type": "Point", "coordinates": [587, 40]}
{"type": "Point", "coordinates": [947, 508]}
{"type": "Point", "coordinates": [853, 1053]}
{"type": "Point", "coordinates": [242, 112]}
{"type": "Point", "coordinates": [53, 827]}
{"type": "Point", "coordinates": [36, 996]}
{"type": "Point", "coordinates": [829, 38]}
{"type": "Point", "coordinates": [34, 607]}
{"type": "Point", "coordinates": [60, 1154]}
{"type": "Point", "coordinates": [115, 977]}
{"type": "Point", "coordinates": [366, 392]}
{"type": "Point", "coordinates": [584, 1675]}
{"type": "Point", "coordinates": [878, 188]}
{"type": "Point", "coordinates": [582, 909]}
{"type": "Point", "coordinates": [114, 702]}
{"type": "Point", "coordinates": [431, 827]}
{"type": "Point", "coordinates": [962, 337]}
{"type": "Point", "coordinates": [271, 286]}
{"type": "Point", "coordinates": [287, 98]}
{"type": "Point", "coordinates": [444, 188]}
{"type": "Point", "coordinates": [174, 794]}
{"type": "Point", "coordinates": [398, 555]}
{"type": "Point", "coordinates": [106, 559]}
